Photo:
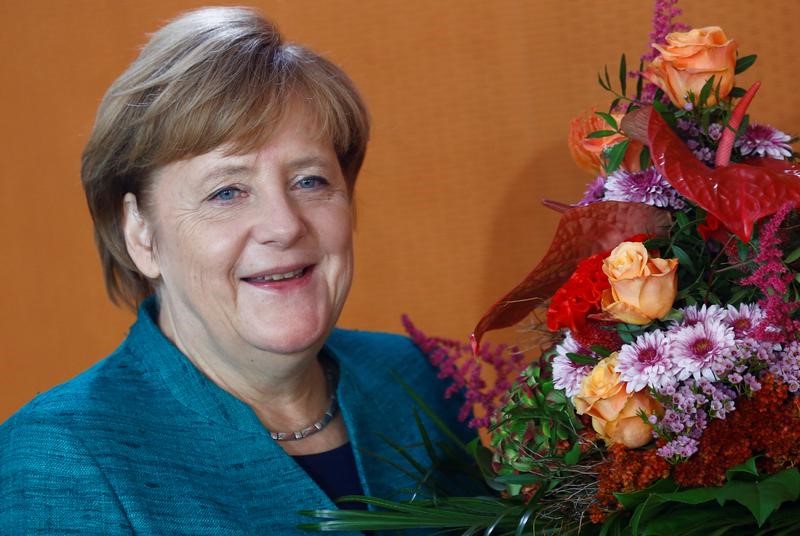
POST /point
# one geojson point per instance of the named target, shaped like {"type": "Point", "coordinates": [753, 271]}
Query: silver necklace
{"type": "Point", "coordinates": [327, 417]}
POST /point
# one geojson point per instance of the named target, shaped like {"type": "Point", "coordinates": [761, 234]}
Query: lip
{"type": "Point", "coordinates": [281, 283]}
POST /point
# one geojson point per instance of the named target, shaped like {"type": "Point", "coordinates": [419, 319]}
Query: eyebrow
{"type": "Point", "coordinates": [225, 170]}
{"type": "Point", "coordinates": [308, 161]}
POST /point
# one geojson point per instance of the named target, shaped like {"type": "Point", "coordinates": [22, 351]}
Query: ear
{"type": "Point", "coordinates": [139, 237]}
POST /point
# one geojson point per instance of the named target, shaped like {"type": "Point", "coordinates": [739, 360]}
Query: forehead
{"type": "Point", "coordinates": [295, 144]}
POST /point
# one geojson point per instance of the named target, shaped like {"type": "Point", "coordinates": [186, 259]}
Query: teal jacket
{"type": "Point", "coordinates": [144, 443]}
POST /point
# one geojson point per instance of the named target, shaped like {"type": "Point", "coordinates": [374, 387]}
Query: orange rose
{"type": "Point", "coordinates": [689, 59]}
{"type": "Point", "coordinates": [586, 152]}
{"type": "Point", "coordinates": [643, 288]}
{"type": "Point", "coordinates": [614, 411]}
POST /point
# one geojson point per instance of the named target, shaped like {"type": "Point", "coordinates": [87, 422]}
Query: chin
{"type": "Point", "coordinates": [299, 337]}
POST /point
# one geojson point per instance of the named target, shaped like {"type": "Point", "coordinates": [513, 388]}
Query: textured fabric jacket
{"type": "Point", "coordinates": [144, 443]}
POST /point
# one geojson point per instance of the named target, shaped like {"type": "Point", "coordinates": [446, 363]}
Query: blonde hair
{"type": "Point", "coordinates": [210, 77]}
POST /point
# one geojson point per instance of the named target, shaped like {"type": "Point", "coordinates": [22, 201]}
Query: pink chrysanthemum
{"type": "Point", "coordinates": [692, 314]}
{"type": "Point", "coordinates": [647, 186]}
{"type": "Point", "coordinates": [763, 140]}
{"type": "Point", "coordinates": [743, 319]}
{"type": "Point", "coordinates": [567, 374]}
{"type": "Point", "coordinates": [646, 362]}
{"type": "Point", "coordinates": [703, 350]}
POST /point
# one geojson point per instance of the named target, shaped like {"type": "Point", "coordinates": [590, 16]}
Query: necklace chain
{"type": "Point", "coordinates": [327, 417]}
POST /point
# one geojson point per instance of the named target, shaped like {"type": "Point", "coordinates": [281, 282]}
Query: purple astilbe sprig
{"type": "Point", "coordinates": [772, 278]}
{"type": "Point", "coordinates": [664, 13]}
{"type": "Point", "coordinates": [764, 141]}
{"type": "Point", "coordinates": [456, 363]}
{"type": "Point", "coordinates": [647, 186]}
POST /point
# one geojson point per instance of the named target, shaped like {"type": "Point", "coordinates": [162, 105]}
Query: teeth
{"type": "Point", "coordinates": [279, 277]}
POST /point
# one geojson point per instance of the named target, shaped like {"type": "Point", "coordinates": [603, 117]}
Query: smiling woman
{"type": "Point", "coordinates": [220, 176]}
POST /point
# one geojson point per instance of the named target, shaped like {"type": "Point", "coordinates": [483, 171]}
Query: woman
{"type": "Point", "coordinates": [220, 177]}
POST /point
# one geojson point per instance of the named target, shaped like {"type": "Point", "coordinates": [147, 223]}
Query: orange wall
{"type": "Point", "coordinates": [470, 99]}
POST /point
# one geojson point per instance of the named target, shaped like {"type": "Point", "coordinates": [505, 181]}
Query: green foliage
{"type": "Point", "coordinates": [748, 503]}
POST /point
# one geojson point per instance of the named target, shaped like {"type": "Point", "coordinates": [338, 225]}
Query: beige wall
{"type": "Point", "coordinates": [470, 99]}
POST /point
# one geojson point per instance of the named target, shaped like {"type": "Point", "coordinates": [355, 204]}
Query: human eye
{"type": "Point", "coordinates": [308, 182]}
{"type": "Point", "coordinates": [227, 194]}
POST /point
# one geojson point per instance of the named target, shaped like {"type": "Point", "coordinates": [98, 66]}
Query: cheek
{"type": "Point", "coordinates": [197, 254]}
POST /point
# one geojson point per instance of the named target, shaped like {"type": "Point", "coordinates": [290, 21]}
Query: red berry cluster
{"type": "Point", "coordinates": [624, 470]}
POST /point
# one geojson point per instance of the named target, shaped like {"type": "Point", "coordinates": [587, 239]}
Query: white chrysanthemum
{"type": "Point", "coordinates": [743, 319]}
{"type": "Point", "coordinates": [646, 362]}
{"type": "Point", "coordinates": [764, 141]}
{"type": "Point", "coordinates": [567, 374]}
{"type": "Point", "coordinates": [703, 350]}
{"type": "Point", "coordinates": [692, 314]}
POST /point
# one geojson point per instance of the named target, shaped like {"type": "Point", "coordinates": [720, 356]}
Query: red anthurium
{"type": "Point", "coordinates": [738, 195]}
{"type": "Point", "coordinates": [582, 231]}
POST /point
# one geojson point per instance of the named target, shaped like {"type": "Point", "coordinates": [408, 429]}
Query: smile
{"type": "Point", "coordinates": [266, 278]}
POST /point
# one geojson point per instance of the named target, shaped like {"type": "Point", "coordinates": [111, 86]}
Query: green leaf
{"type": "Point", "coordinates": [640, 81]}
{"type": "Point", "coordinates": [600, 134]}
{"type": "Point", "coordinates": [763, 498]}
{"type": "Point", "coordinates": [608, 78]}
{"type": "Point", "coordinates": [683, 258]}
{"type": "Point", "coordinates": [793, 256]}
{"type": "Point", "coordinates": [746, 468]}
{"type": "Point", "coordinates": [616, 155]}
{"type": "Point", "coordinates": [580, 359]}
{"type": "Point", "coordinates": [573, 455]}
{"type": "Point", "coordinates": [602, 84]}
{"type": "Point", "coordinates": [600, 350]}
{"type": "Point", "coordinates": [737, 92]}
{"type": "Point", "coordinates": [483, 458]}
{"type": "Point", "coordinates": [682, 219]}
{"type": "Point", "coordinates": [744, 63]}
{"type": "Point", "coordinates": [613, 104]}
{"type": "Point", "coordinates": [705, 92]}
{"type": "Point", "coordinates": [633, 499]}
{"type": "Point", "coordinates": [435, 419]}
{"type": "Point", "coordinates": [608, 118]}
{"type": "Point", "coordinates": [623, 74]}
{"type": "Point", "coordinates": [644, 158]}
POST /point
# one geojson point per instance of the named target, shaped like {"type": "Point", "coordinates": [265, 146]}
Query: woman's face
{"type": "Point", "coordinates": [253, 251]}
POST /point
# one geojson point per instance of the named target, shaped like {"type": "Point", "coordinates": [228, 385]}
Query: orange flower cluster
{"type": "Point", "coordinates": [624, 470]}
{"type": "Point", "coordinates": [772, 423]}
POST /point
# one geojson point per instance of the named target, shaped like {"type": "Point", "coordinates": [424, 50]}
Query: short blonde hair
{"type": "Point", "coordinates": [210, 77]}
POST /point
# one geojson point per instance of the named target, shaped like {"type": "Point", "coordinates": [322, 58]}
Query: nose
{"type": "Point", "coordinates": [278, 220]}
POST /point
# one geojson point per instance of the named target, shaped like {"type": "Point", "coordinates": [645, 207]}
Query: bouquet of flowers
{"type": "Point", "coordinates": [666, 396]}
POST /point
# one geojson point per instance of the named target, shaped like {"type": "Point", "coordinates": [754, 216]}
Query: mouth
{"type": "Point", "coordinates": [275, 277]}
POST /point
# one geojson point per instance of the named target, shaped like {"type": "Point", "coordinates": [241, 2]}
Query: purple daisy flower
{"type": "Point", "coordinates": [743, 319]}
{"type": "Point", "coordinates": [763, 140]}
{"type": "Point", "coordinates": [567, 374]}
{"type": "Point", "coordinates": [594, 191]}
{"type": "Point", "coordinates": [646, 362]}
{"type": "Point", "coordinates": [703, 350]}
{"type": "Point", "coordinates": [647, 186]}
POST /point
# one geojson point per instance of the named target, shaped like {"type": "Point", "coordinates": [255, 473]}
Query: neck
{"type": "Point", "coordinates": [287, 392]}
